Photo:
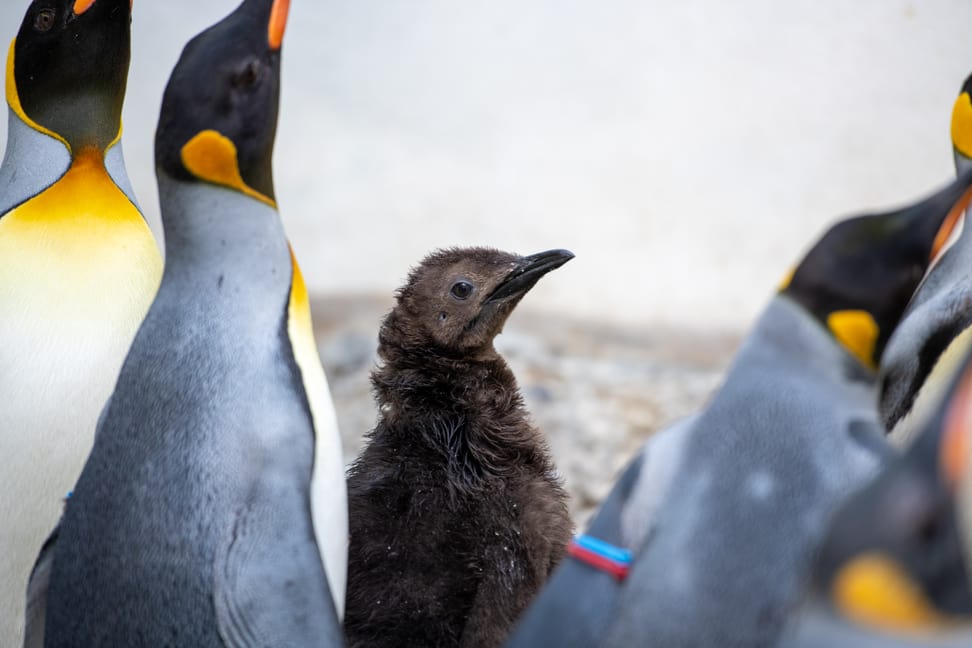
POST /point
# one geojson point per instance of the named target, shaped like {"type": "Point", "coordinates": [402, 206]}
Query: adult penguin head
{"type": "Point", "coordinates": [219, 111]}
{"type": "Point", "coordinates": [887, 256]}
{"type": "Point", "coordinates": [68, 68]}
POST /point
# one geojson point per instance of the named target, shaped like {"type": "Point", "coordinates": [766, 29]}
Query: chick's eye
{"type": "Point", "coordinates": [44, 20]}
{"type": "Point", "coordinates": [461, 289]}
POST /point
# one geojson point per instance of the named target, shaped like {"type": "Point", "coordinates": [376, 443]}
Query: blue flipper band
{"type": "Point", "coordinates": [605, 549]}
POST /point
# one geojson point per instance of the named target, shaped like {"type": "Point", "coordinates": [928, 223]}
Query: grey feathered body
{"type": "Point", "coordinates": [191, 524]}
{"type": "Point", "coordinates": [764, 465]}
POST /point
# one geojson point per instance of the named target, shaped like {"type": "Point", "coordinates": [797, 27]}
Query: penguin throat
{"type": "Point", "coordinates": [88, 183]}
{"type": "Point", "coordinates": [78, 246]}
{"type": "Point", "coordinates": [412, 392]}
{"type": "Point", "coordinates": [89, 110]}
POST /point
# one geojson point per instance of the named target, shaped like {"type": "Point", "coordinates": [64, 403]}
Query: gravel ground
{"type": "Point", "coordinates": [596, 390]}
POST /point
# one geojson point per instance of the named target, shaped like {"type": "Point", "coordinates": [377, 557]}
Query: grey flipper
{"type": "Point", "coordinates": [32, 163]}
{"type": "Point", "coordinates": [40, 577]}
{"type": "Point", "coordinates": [576, 605]}
{"type": "Point", "coordinates": [263, 590]}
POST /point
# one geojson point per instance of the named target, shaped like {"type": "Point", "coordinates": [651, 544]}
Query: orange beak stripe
{"type": "Point", "coordinates": [950, 222]}
{"type": "Point", "coordinates": [80, 6]}
{"type": "Point", "coordinates": [956, 448]}
{"type": "Point", "coordinates": [278, 23]}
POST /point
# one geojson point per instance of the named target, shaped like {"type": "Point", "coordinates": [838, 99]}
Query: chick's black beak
{"type": "Point", "coordinates": [527, 273]}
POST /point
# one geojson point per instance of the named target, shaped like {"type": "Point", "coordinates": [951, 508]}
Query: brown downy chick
{"type": "Point", "coordinates": [456, 514]}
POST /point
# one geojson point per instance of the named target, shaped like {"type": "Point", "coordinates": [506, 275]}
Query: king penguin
{"type": "Point", "coordinates": [704, 539]}
{"type": "Point", "coordinates": [924, 351]}
{"type": "Point", "coordinates": [894, 566]}
{"type": "Point", "coordinates": [457, 515]}
{"type": "Point", "coordinates": [78, 266]}
{"type": "Point", "coordinates": [891, 571]}
{"type": "Point", "coordinates": [212, 509]}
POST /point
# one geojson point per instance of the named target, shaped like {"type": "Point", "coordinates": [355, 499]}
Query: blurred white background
{"type": "Point", "coordinates": [686, 151]}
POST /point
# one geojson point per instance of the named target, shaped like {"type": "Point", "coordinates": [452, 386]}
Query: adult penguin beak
{"type": "Point", "coordinates": [80, 6]}
{"type": "Point", "coordinates": [278, 23]}
{"type": "Point", "coordinates": [527, 273]}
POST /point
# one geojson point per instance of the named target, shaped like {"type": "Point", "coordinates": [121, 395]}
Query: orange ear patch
{"type": "Point", "coordinates": [80, 6]}
{"type": "Point", "coordinates": [211, 156]}
{"type": "Point", "coordinates": [874, 591]}
{"type": "Point", "coordinates": [857, 331]}
{"type": "Point", "coordinates": [962, 124]}
{"type": "Point", "coordinates": [278, 23]}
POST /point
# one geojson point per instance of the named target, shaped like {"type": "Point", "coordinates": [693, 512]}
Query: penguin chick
{"type": "Point", "coordinates": [456, 514]}
{"type": "Point", "coordinates": [893, 562]}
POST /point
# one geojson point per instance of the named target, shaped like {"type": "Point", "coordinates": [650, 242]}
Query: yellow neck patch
{"type": "Point", "coordinates": [874, 591]}
{"type": "Point", "coordinates": [85, 196]}
{"type": "Point", "coordinates": [962, 124]}
{"type": "Point", "coordinates": [857, 331]}
{"type": "Point", "coordinates": [211, 156]}
{"type": "Point", "coordinates": [787, 279]}
{"type": "Point", "coordinates": [74, 238]}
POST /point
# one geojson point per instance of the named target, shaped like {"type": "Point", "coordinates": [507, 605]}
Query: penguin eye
{"type": "Point", "coordinates": [248, 75]}
{"type": "Point", "coordinates": [44, 20]}
{"type": "Point", "coordinates": [461, 289]}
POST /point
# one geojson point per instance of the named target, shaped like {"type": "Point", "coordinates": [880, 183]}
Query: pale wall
{"type": "Point", "coordinates": [686, 150]}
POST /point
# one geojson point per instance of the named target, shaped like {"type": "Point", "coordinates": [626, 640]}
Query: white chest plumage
{"type": "Point", "coordinates": [329, 507]}
{"type": "Point", "coordinates": [78, 270]}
